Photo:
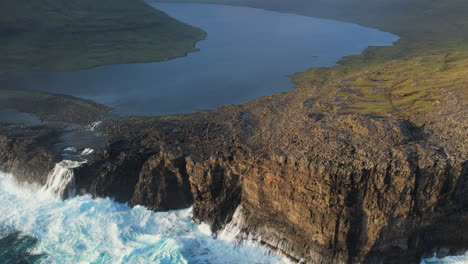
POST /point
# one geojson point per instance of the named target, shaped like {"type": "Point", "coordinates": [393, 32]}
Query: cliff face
{"type": "Point", "coordinates": [324, 188]}
{"type": "Point", "coordinates": [326, 214]}
{"type": "Point", "coordinates": [26, 152]}
{"type": "Point", "coordinates": [157, 180]}
{"type": "Point", "coordinates": [363, 163]}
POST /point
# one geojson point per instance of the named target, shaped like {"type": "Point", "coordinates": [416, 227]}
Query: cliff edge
{"type": "Point", "coordinates": [366, 162]}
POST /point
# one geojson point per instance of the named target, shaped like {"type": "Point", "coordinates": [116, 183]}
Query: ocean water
{"type": "Point", "coordinates": [463, 259]}
{"type": "Point", "coordinates": [38, 227]}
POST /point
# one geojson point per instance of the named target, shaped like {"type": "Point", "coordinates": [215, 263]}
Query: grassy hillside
{"type": "Point", "coordinates": [425, 70]}
{"type": "Point", "coordinates": [77, 34]}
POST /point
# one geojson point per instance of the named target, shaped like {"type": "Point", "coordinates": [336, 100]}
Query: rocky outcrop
{"type": "Point", "coordinates": [298, 172]}
{"type": "Point", "coordinates": [315, 187]}
{"type": "Point", "coordinates": [336, 189]}
{"type": "Point", "coordinates": [163, 183]}
{"type": "Point", "coordinates": [158, 180]}
{"type": "Point", "coordinates": [326, 214]}
{"type": "Point", "coordinates": [24, 151]}
{"type": "Point", "coordinates": [348, 213]}
{"type": "Point", "coordinates": [217, 188]}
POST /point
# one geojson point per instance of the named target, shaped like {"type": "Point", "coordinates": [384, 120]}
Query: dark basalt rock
{"type": "Point", "coordinates": [156, 180]}
{"type": "Point", "coordinates": [24, 152]}
{"type": "Point", "coordinates": [342, 189]}
{"type": "Point", "coordinates": [216, 188]}
{"type": "Point", "coordinates": [163, 183]}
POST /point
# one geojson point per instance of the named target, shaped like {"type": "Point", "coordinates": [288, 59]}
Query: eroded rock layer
{"type": "Point", "coordinates": [323, 188]}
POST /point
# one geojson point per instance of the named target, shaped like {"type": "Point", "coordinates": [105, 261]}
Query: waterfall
{"type": "Point", "coordinates": [61, 180]}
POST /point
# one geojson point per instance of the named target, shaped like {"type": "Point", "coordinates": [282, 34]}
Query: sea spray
{"type": "Point", "coordinates": [462, 259]}
{"type": "Point", "coordinates": [87, 152]}
{"type": "Point", "coordinates": [61, 180]}
{"type": "Point", "coordinates": [233, 233]}
{"type": "Point", "coordinates": [86, 230]}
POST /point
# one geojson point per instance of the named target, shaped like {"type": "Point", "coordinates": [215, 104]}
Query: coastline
{"type": "Point", "coordinates": [397, 175]}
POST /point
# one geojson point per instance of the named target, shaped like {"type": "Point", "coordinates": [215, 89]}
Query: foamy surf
{"type": "Point", "coordinates": [463, 259]}
{"type": "Point", "coordinates": [86, 230]}
{"type": "Point", "coordinates": [61, 180]}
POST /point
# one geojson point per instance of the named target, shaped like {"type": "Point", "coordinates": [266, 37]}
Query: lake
{"type": "Point", "coordinates": [248, 53]}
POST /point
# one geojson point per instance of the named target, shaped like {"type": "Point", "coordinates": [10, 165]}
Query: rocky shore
{"type": "Point", "coordinates": [321, 188]}
{"type": "Point", "coordinates": [366, 162]}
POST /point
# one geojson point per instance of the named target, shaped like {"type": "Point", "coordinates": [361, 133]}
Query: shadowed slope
{"type": "Point", "coordinates": [70, 35]}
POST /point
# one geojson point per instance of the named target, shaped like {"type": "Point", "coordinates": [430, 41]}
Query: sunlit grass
{"type": "Point", "coordinates": [398, 88]}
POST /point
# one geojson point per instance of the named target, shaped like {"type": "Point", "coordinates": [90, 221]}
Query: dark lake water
{"type": "Point", "coordinates": [248, 53]}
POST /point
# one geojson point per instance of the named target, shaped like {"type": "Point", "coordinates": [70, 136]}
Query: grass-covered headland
{"type": "Point", "coordinates": [425, 69]}
{"type": "Point", "coordinates": [57, 35]}
{"type": "Point", "coordinates": [364, 162]}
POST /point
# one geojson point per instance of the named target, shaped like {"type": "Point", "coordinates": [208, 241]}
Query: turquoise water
{"type": "Point", "coordinates": [248, 54]}
{"type": "Point", "coordinates": [448, 260]}
{"type": "Point", "coordinates": [38, 227]}
{"type": "Point", "coordinates": [87, 230]}
{"type": "Point", "coordinates": [15, 247]}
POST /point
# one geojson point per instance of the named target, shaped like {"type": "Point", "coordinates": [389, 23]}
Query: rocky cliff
{"type": "Point", "coordinates": [322, 188]}
{"type": "Point", "coordinates": [363, 163]}
{"type": "Point", "coordinates": [25, 151]}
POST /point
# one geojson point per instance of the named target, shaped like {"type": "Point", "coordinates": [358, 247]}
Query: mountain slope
{"type": "Point", "coordinates": [77, 34]}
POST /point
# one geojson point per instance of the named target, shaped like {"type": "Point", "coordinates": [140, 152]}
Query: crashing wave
{"type": "Point", "coordinates": [87, 151]}
{"type": "Point", "coordinates": [61, 180]}
{"type": "Point", "coordinates": [462, 259]}
{"type": "Point", "coordinates": [87, 230]}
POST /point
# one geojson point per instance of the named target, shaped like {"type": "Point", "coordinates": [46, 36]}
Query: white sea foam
{"type": "Point", "coordinates": [70, 149]}
{"type": "Point", "coordinates": [93, 126]}
{"type": "Point", "coordinates": [234, 234]}
{"type": "Point", "coordinates": [463, 259]}
{"type": "Point", "coordinates": [61, 179]}
{"type": "Point", "coordinates": [87, 151]}
{"type": "Point", "coordinates": [87, 230]}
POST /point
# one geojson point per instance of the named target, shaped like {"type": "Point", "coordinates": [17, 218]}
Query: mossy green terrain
{"type": "Point", "coordinates": [425, 69]}
{"type": "Point", "coordinates": [55, 35]}
{"type": "Point", "coordinates": [396, 88]}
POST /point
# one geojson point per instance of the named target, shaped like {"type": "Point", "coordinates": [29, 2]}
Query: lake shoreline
{"type": "Point", "coordinates": [374, 176]}
{"type": "Point", "coordinates": [234, 65]}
